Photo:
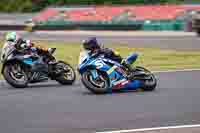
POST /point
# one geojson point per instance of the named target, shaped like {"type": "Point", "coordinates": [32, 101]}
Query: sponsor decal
{"type": "Point", "coordinates": [111, 69]}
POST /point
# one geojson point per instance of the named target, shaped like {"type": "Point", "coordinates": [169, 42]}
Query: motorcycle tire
{"type": "Point", "coordinates": [91, 86]}
{"type": "Point", "coordinates": [151, 83]}
{"type": "Point", "coordinates": [10, 80]}
{"type": "Point", "coordinates": [62, 78]}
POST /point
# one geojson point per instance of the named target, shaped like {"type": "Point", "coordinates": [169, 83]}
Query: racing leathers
{"type": "Point", "coordinates": [27, 46]}
{"type": "Point", "coordinates": [110, 54]}
{"type": "Point", "coordinates": [115, 56]}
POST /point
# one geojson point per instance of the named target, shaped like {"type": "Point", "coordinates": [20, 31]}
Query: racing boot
{"type": "Point", "coordinates": [51, 50]}
{"type": "Point", "coordinates": [128, 68]}
{"type": "Point", "coordinates": [127, 64]}
{"type": "Point", "coordinates": [52, 60]}
{"type": "Point", "coordinates": [130, 71]}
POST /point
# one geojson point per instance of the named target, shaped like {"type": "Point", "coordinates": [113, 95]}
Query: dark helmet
{"type": "Point", "coordinates": [91, 44]}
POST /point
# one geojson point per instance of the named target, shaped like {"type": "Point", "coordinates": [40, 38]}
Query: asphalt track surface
{"type": "Point", "coordinates": [53, 108]}
{"type": "Point", "coordinates": [167, 42]}
{"type": "Point", "coordinates": [181, 42]}
{"type": "Point", "coordinates": [15, 18]}
{"type": "Point", "coordinates": [50, 107]}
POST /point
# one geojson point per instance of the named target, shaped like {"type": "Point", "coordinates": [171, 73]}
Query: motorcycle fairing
{"type": "Point", "coordinates": [114, 71]}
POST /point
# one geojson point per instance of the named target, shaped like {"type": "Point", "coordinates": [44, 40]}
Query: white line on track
{"type": "Point", "coordinates": [153, 129]}
{"type": "Point", "coordinates": [159, 128]}
{"type": "Point", "coordinates": [178, 70]}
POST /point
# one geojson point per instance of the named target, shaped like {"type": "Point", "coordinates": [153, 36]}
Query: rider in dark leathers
{"type": "Point", "coordinates": [27, 46]}
{"type": "Point", "coordinates": [92, 45]}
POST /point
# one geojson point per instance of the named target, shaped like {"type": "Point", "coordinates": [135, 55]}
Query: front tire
{"type": "Point", "coordinates": [96, 87]}
{"type": "Point", "coordinates": [13, 78]}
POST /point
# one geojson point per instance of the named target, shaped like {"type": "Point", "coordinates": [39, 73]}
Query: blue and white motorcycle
{"type": "Point", "coordinates": [101, 75]}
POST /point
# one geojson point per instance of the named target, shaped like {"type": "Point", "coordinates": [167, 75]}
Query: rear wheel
{"type": "Point", "coordinates": [67, 74]}
{"type": "Point", "coordinates": [15, 75]}
{"type": "Point", "coordinates": [149, 80]}
{"type": "Point", "coordinates": [97, 86]}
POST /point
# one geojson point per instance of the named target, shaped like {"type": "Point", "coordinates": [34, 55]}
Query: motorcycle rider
{"type": "Point", "coordinates": [92, 45]}
{"type": "Point", "coordinates": [22, 44]}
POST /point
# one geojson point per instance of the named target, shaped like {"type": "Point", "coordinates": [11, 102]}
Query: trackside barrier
{"type": "Point", "coordinates": [152, 25]}
{"type": "Point", "coordinates": [172, 25]}
{"type": "Point", "coordinates": [12, 27]}
{"type": "Point", "coordinates": [51, 25]}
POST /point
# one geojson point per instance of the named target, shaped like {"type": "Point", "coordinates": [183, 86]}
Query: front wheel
{"type": "Point", "coordinates": [148, 79]}
{"type": "Point", "coordinates": [97, 86]}
{"type": "Point", "coordinates": [15, 75]}
{"type": "Point", "coordinates": [67, 74]}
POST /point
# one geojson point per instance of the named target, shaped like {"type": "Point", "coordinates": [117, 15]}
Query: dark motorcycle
{"type": "Point", "coordinates": [21, 69]}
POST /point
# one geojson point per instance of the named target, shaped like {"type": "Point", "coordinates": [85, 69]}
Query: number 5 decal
{"type": "Point", "coordinates": [99, 64]}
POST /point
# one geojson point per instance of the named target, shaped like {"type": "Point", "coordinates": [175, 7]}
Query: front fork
{"type": "Point", "coordinates": [96, 76]}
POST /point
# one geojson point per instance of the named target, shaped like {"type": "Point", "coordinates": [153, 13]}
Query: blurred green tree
{"type": "Point", "coordinates": [36, 5]}
{"type": "Point", "coordinates": [16, 5]}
